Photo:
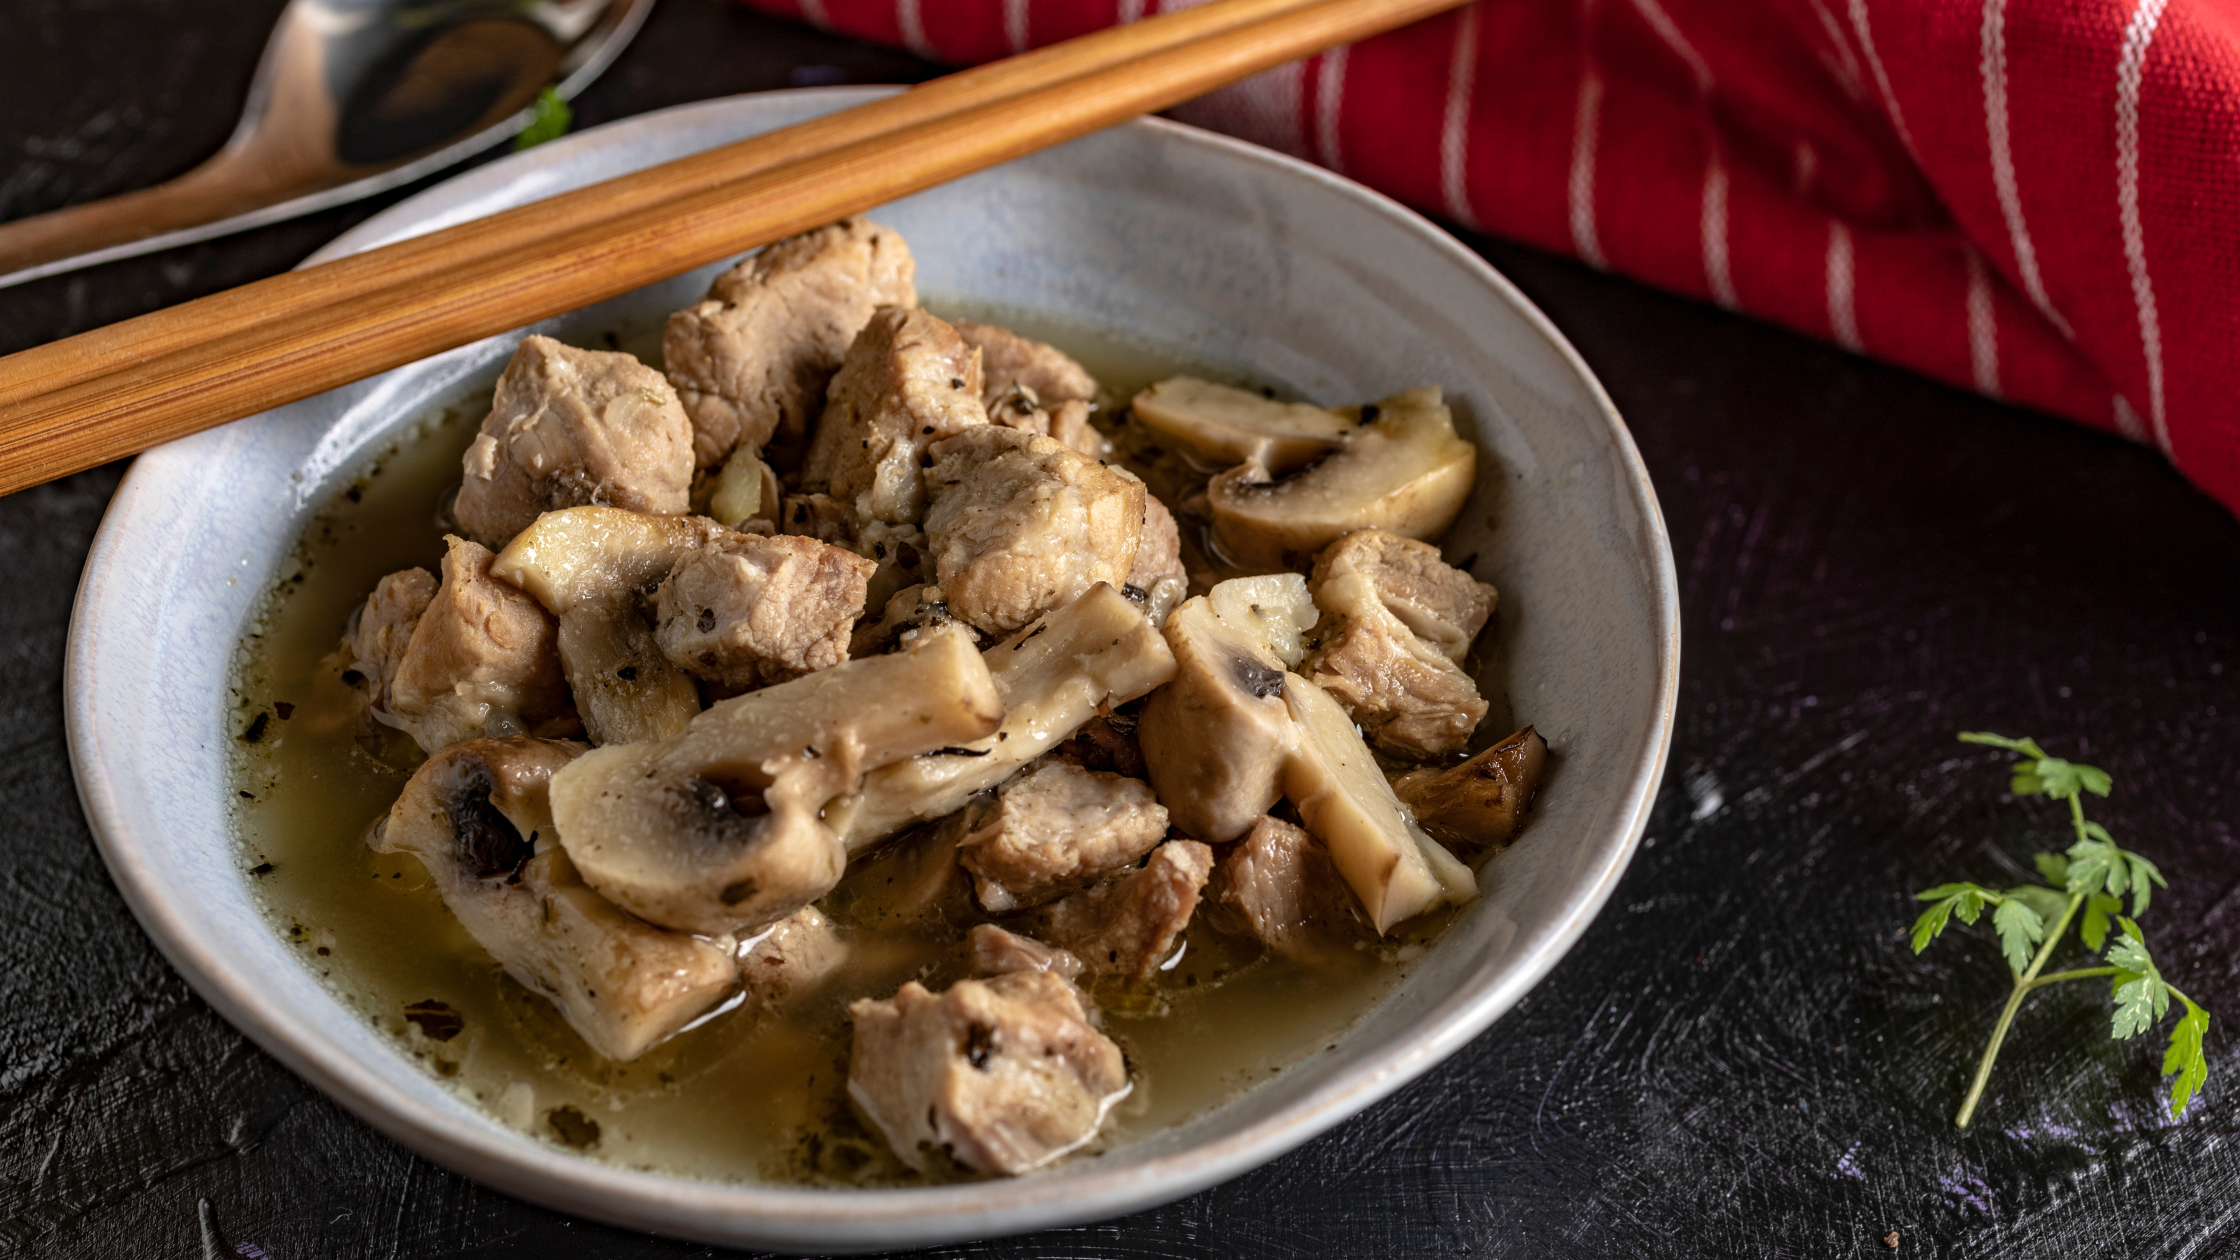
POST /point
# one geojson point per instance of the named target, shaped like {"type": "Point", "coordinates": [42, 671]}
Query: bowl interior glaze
{"type": "Point", "coordinates": [1151, 231]}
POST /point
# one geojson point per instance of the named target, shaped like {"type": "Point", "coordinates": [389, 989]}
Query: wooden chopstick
{"type": "Point", "coordinates": [180, 382]}
{"type": "Point", "coordinates": [243, 315]}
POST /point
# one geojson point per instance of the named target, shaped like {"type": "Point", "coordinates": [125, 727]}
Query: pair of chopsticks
{"type": "Point", "coordinates": [116, 391]}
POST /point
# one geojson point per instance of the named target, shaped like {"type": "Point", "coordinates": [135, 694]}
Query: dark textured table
{"type": "Point", "coordinates": [1740, 1058]}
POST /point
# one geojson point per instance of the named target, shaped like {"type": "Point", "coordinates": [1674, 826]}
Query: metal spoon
{"type": "Point", "coordinates": [350, 98]}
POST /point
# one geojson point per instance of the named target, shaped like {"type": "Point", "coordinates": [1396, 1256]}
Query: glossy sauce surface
{"type": "Point", "coordinates": [744, 1095]}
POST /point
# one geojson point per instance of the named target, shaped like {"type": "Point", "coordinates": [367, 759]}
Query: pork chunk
{"type": "Point", "coordinates": [481, 658]}
{"type": "Point", "coordinates": [569, 427]}
{"type": "Point", "coordinates": [1002, 1075]}
{"type": "Point", "coordinates": [1279, 886]}
{"type": "Point", "coordinates": [1158, 571]}
{"type": "Point", "coordinates": [996, 952]}
{"type": "Point", "coordinates": [479, 818]}
{"type": "Point", "coordinates": [1019, 525]}
{"type": "Point", "coordinates": [1405, 688]}
{"type": "Point", "coordinates": [1055, 829]}
{"type": "Point", "coordinates": [1009, 360]}
{"type": "Point", "coordinates": [908, 381]}
{"type": "Point", "coordinates": [791, 959]}
{"type": "Point", "coordinates": [751, 362]}
{"type": "Point", "coordinates": [754, 610]}
{"type": "Point", "coordinates": [383, 625]}
{"type": "Point", "coordinates": [1129, 926]}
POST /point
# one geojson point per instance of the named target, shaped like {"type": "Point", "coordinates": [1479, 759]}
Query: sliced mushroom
{"type": "Point", "coordinates": [1221, 426]}
{"type": "Point", "coordinates": [1397, 871]}
{"type": "Point", "coordinates": [1215, 740]}
{"type": "Point", "coordinates": [1403, 470]}
{"type": "Point", "coordinates": [1053, 676]}
{"type": "Point", "coordinates": [718, 828]}
{"type": "Point", "coordinates": [594, 568]}
{"type": "Point", "coordinates": [478, 816]}
{"type": "Point", "coordinates": [1480, 802]}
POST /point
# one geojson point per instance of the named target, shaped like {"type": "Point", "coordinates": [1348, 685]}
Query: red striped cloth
{"type": "Point", "coordinates": [2031, 198]}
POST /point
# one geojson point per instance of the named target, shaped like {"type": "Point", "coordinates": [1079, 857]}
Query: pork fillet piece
{"type": "Point", "coordinates": [1279, 886]}
{"type": "Point", "coordinates": [1021, 524]}
{"type": "Point", "coordinates": [1129, 926]}
{"type": "Point", "coordinates": [1002, 1075]}
{"type": "Point", "coordinates": [571, 427]}
{"type": "Point", "coordinates": [755, 610]}
{"type": "Point", "coordinates": [1396, 620]}
{"type": "Point", "coordinates": [1055, 829]}
{"type": "Point", "coordinates": [752, 360]}
{"type": "Point", "coordinates": [907, 382]}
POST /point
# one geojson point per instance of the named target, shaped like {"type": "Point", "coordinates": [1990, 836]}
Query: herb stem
{"type": "Point", "coordinates": [2081, 973]}
{"type": "Point", "coordinates": [2022, 986]}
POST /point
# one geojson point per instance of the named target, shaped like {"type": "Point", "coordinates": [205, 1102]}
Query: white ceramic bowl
{"type": "Point", "coordinates": [1169, 235]}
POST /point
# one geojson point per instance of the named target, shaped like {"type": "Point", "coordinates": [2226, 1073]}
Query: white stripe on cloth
{"type": "Point", "coordinates": [2128, 422]}
{"type": "Point", "coordinates": [1586, 129]}
{"type": "Point", "coordinates": [812, 12]}
{"type": "Point", "coordinates": [1983, 326]}
{"type": "Point", "coordinates": [1015, 24]}
{"type": "Point", "coordinates": [2131, 66]}
{"type": "Point", "coordinates": [1843, 320]}
{"type": "Point", "coordinates": [1718, 277]}
{"type": "Point", "coordinates": [1454, 128]}
{"type": "Point", "coordinates": [1329, 100]}
{"type": "Point", "coordinates": [2002, 161]}
{"type": "Point", "coordinates": [1881, 77]}
{"type": "Point", "coordinates": [1845, 66]}
{"type": "Point", "coordinates": [913, 28]}
{"type": "Point", "coordinates": [1130, 12]}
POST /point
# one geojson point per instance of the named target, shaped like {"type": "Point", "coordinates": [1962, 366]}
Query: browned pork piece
{"type": "Point", "coordinates": [1001, 1075]}
{"type": "Point", "coordinates": [1054, 829]}
{"type": "Point", "coordinates": [908, 381]}
{"type": "Point", "coordinates": [1403, 469]}
{"type": "Point", "coordinates": [1036, 387]}
{"type": "Point", "coordinates": [477, 657]}
{"type": "Point", "coordinates": [996, 952]}
{"type": "Point", "coordinates": [1053, 675]}
{"type": "Point", "coordinates": [1482, 801]}
{"type": "Point", "coordinates": [1020, 524]}
{"type": "Point", "coordinates": [752, 610]}
{"type": "Point", "coordinates": [1129, 926]}
{"type": "Point", "coordinates": [1279, 886]}
{"type": "Point", "coordinates": [719, 828]}
{"type": "Point", "coordinates": [1396, 620]}
{"type": "Point", "coordinates": [478, 817]}
{"type": "Point", "coordinates": [1008, 360]}
{"type": "Point", "coordinates": [1157, 571]}
{"type": "Point", "coordinates": [791, 958]}
{"type": "Point", "coordinates": [593, 568]}
{"type": "Point", "coordinates": [1216, 739]}
{"type": "Point", "coordinates": [569, 427]}
{"type": "Point", "coordinates": [752, 360]}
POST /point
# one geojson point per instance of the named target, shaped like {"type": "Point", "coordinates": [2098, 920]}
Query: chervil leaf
{"type": "Point", "coordinates": [2090, 861]}
{"type": "Point", "coordinates": [2065, 779]}
{"type": "Point", "coordinates": [2141, 997]}
{"type": "Point", "coordinates": [2020, 929]}
{"type": "Point", "coordinates": [1965, 900]}
{"type": "Point", "coordinates": [2184, 1057]}
{"type": "Point", "coordinates": [2053, 867]}
{"type": "Point", "coordinates": [2025, 746]}
{"type": "Point", "coordinates": [2094, 831]}
{"type": "Point", "coordinates": [548, 120]}
{"type": "Point", "coordinates": [2026, 783]}
{"type": "Point", "coordinates": [2094, 928]}
{"type": "Point", "coordinates": [2095, 780]}
{"type": "Point", "coordinates": [2141, 872]}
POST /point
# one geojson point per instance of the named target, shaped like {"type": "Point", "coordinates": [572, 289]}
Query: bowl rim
{"type": "Point", "coordinates": [804, 1218]}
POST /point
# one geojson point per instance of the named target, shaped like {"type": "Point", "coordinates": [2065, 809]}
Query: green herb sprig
{"type": "Point", "coordinates": [549, 119]}
{"type": "Point", "coordinates": [2091, 877]}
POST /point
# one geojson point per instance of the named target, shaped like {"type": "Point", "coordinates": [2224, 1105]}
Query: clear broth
{"type": "Point", "coordinates": [744, 1095]}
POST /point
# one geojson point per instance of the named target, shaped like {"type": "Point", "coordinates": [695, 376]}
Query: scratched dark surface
{"type": "Point", "coordinates": [1740, 1058]}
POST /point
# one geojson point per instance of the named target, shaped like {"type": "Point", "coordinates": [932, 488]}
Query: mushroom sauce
{"type": "Point", "coordinates": [741, 1094]}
